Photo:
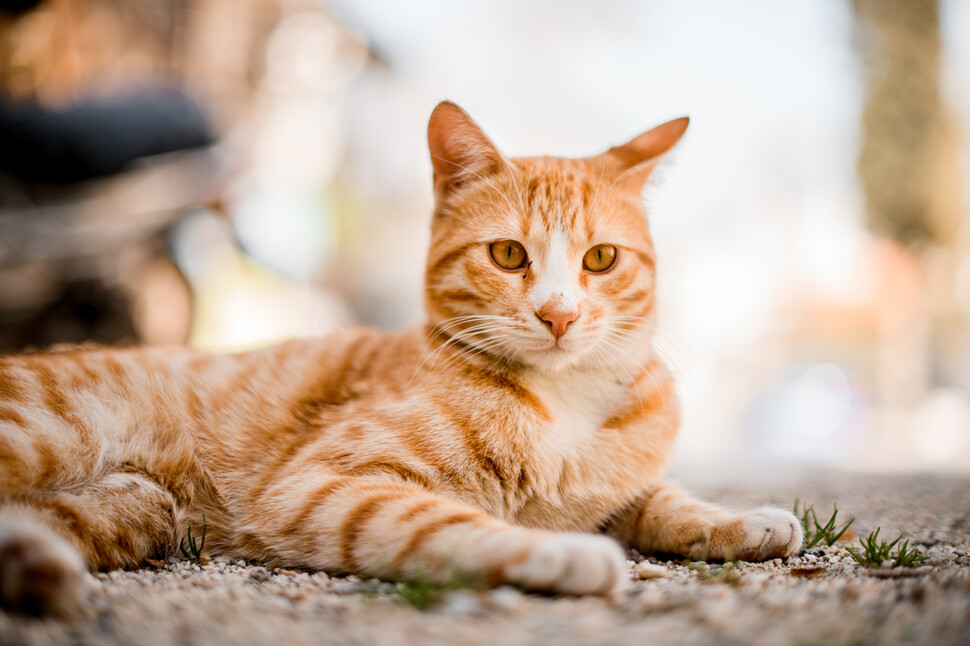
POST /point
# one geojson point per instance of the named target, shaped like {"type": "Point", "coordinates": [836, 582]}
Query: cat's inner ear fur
{"type": "Point", "coordinates": [460, 151]}
{"type": "Point", "coordinates": [638, 157]}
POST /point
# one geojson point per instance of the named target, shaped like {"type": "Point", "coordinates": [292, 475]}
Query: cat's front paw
{"type": "Point", "coordinates": [763, 534]}
{"type": "Point", "coordinates": [40, 573]}
{"type": "Point", "coordinates": [571, 564]}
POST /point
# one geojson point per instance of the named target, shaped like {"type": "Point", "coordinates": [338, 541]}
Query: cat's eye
{"type": "Point", "coordinates": [508, 254]}
{"type": "Point", "coordinates": [600, 258]}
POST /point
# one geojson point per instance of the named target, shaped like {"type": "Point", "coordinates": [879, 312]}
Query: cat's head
{"type": "Point", "coordinates": [541, 261]}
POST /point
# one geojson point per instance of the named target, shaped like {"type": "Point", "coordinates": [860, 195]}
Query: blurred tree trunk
{"type": "Point", "coordinates": [911, 177]}
{"type": "Point", "coordinates": [907, 160]}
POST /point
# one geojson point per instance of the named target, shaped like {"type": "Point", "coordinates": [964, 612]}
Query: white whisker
{"type": "Point", "coordinates": [468, 170]}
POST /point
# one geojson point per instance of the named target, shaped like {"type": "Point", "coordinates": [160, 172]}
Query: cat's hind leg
{"type": "Point", "coordinates": [48, 540]}
{"type": "Point", "coordinates": [668, 520]}
{"type": "Point", "coordinates": [391, 528]}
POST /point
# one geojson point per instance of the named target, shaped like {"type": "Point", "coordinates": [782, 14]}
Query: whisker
{"type": "Point", "coordinates": [633, 382]}
{"type": "Point", "coordinates": [441, 328]}
{"type": "Point", "coordinates": [653, 375]}
{"type": "Point", "coordinates": [596, 193]}
{"type": "Point", "coordinates": [486, 324]}
{"type": "Point", "coordinates": [468, 170]}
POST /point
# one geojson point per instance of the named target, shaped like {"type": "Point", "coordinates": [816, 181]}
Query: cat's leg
{"type": "Point", "coordinates": [40, 572]}
{"type": "Point", "coordinates": [48, 540]}
{"type": "Point", "coordinates": [667, 520]}
{"type": "Point", "coordinates": [385, 527]}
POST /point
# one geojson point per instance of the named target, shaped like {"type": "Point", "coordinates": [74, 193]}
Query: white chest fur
{"type": "Point", "coordinates": [578, 402]}
{"type": "Point", "coordinates": [571, 489]}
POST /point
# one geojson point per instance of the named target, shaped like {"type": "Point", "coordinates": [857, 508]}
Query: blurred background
{"type": "Point", "coordinates": [229, 173]}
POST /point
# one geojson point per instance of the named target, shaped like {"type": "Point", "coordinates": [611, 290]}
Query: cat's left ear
{"type": "Point", "coordinates": [460, 151]}
{"type": "Point", "coordinates": [640, 156]}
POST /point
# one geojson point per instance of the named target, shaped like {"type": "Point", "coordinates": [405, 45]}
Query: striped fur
{"type": "Point", "coordinates": [479, 443]}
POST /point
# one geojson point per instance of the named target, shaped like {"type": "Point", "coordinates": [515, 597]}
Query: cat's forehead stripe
{"type": "Point", "coordinates": [558, 198]}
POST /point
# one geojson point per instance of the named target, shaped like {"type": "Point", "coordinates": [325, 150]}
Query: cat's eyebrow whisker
{"type": "Point", "coordinates": [515, 183]}
{"type": "Point", "coordinates": [596, 192]}
{"type": "Point", "coordinates": [468, 170]}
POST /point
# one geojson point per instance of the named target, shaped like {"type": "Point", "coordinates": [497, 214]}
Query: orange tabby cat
{"type": "Point", "coordinates": [519, 437]}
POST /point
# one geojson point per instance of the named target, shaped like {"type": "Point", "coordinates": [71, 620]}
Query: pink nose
{"type": "Point", "coordinates": [557, 320]}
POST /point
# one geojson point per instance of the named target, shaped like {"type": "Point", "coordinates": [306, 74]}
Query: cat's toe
{"type": "Point", "coordinates": [572, 564]}
{"type": "Point", "coordinates": [770, 533]}
{"type": "Point", "coordinates": [40, 573]}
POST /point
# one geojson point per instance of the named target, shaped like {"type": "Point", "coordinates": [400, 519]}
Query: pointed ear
{"type": "Point", "coordinates": [641, 155]}
{"type": "Point", "coordinates": [459, 149]}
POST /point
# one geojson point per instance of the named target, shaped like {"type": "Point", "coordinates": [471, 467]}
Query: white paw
{"type": "Point", "coordinates": [572, 564]}
{"type": "Point", "coordinates": [770, 533]}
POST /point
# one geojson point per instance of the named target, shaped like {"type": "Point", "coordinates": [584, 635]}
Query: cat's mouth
{"type": "Point", "coordinates": [561, 348]}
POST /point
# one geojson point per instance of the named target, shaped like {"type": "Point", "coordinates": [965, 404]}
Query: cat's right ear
{"type": "Point", "coordinates": [459, 149]}
{"type": "Point", "coordinates": [639, 157]}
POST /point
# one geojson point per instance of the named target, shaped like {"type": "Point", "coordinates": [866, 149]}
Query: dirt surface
{"type": "Point", "coordinates": [818, 597]}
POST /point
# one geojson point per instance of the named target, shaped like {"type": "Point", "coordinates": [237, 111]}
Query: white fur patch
{"type": "Point", "coordinates": [578, 403]}
{"type": "Point", "coordinates": [773, 532]}
{"type": "Point", "coordinates": [557, 279]}
{"type": "Point", "coordinates": [572, 564]}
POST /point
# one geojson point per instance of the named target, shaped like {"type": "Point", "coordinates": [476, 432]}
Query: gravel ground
{"type": "Point", "coordinates": [818, 597]}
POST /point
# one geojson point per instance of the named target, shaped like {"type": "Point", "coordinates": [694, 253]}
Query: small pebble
{"type": "Point", "coordinates": [260, 574]}
{"type": "Point", "coordinates": [649, 571]}
{"type": "Point", "coordinates": [505, 597]}
{"type": "Point", "coordinates": [461, 602]}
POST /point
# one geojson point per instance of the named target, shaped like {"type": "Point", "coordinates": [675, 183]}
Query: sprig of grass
{"type": "Point", "coordinates": [727, 573]}
{"type": "Point", "coordinates": [816, 532]}
{"type": "Point", "coordinates": [908, 558]}
{"type": "Point", "coordinates": [194, 553]}
{"type": "Point", "coordinates": [423, 593]}
{"type": "Point", "coordinates": [420, 594]}
{"type": "Point", "coordinates": [875, 552]}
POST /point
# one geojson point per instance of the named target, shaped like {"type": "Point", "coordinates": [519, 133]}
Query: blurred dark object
{"type": "Point", "coordinates": [96, 137]}
{"type": "Point", "coordinates": [89, 261]}
{"type": "Point", "coordinates": [17, 6]}
{"type": "Point", "coordinates": [95, 171]}
{"type": "Point", "coordinates": [82, 310]}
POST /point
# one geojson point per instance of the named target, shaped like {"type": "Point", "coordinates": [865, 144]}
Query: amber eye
{"type": "Point", "coordinates": [508, 254]}
{"type": "Point", "coordinates": [599, 258]}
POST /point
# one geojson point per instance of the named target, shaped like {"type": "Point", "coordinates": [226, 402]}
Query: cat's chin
{"type": "Point", "coordinates": [553, 359]}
